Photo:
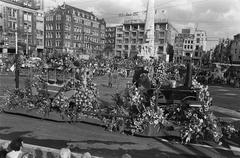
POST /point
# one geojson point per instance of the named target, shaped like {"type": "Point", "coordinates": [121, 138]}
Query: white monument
{"type": "Point", "coordinates": [148, 50]}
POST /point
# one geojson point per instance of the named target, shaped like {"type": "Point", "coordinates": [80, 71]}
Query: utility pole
{"type": "Point", "coordinates": [188, 78]}
{"type": "Point", "coordinates": [27, 41]}
{"type": "Point", "coordinates": [16, 61]}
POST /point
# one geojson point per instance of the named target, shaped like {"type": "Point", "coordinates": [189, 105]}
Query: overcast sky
{"type": "Point", "coordinates": [220, 18]}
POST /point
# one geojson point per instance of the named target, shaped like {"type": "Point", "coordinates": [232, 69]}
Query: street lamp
{"type": "Point", "coordinates": [27, 40]}
{"type": "Point", "coordinates": [16, 60]}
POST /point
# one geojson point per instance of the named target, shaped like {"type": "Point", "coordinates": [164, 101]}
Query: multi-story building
{"type": "Point", "coordinates": [133, 36]}
{"type": "Point", "coordinates": [24, 19]}
{"type": "Point", "coordinates": [222, 51]}
{"type": "Point", "coordinates": [130, 37]}
{"type": "Point", "coordinates": [110, 42]}
{"type": "Point", "coordinates": [73, 30]}
{"type": "Point", "coordinates": [235, 49]}
{"type": "Point", "coordinates": [200, 45]}
{"type": "Point", "coordinates": [119, 42]}
{"type": "Point", "coordinates": [190, 44]}
{"type": "Point", "coordinates": [184, 46]}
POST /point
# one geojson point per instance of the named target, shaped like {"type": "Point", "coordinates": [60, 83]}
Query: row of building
{"type": "Point", "coordinates": [70, 29]}
{"type": "Point", "coordinates": [235, 49]}
{"type": "Point", "coordinates": [227, 50]}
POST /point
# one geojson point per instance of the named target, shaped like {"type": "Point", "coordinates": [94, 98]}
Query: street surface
{"type": "Point", "coordinates": [226, 97]}
{"type": "Point", "coordinates": [83, 137]}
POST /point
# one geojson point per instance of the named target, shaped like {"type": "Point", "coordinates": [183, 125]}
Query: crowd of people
{"type": "Point", "coordinates": [227, 76]}
{"type": "Point", "coordinates": [15, 149]}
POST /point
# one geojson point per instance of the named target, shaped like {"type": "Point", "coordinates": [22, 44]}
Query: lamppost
{"type": "Point", "coordinates": [188, 79]}
{"type": "Point", "coordinates": [27, 40]}
{"type": "Point", "coordinates": [16, 61]}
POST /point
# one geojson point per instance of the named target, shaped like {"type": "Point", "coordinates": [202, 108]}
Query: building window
{"type": "Point", "coordinates": [49, 26]}
{"type": "Point", "coordinates": [161, 41]}
{"type": "Point", "coordinates": [27, 16]}
{"type": "Point", "coordinates": [185, 46]}
{"type": "Point", "coordinates": [119, 29]}
{"type": "Point", "coordinates": [134, 41]}
{"type": "Point", "coordinates": [39, 32]}
{"type": "Point", "coordinates": [102, 27]}
{"type": "Point", "coordinates": [87, 23]}
{"type": "Point", "coordinates": [119, 46]}
{"type": "Point", "coordinates": [58, 17]}
{"type": "Point", "coordinates": [12, 25]}
{"type": "Point", "coordinates": [119, 41]}
{"type": "Point", "coordinates": [196, 54]}
{"type": "Point", "coordinates": [67, 44]}
{"type": "Point", "coordinates": [161, 34]}
{"type": "Point", "coordinates": [49, 35]}
{"type": "Point", "coordinates": [197, 47]}
{"type": "Point", "coordinates": [58, 34]}
{"type": "Point", "coordinates": [133, 47]}
{"type": "Point", "coordinates": [77, 37]}
{"type": "Point", "coordinates": [49, 43]}
{"type": "Point", "coordinates": [39, 42]}
{"type": "Point", "coordinates": [49, 18]}
{"type": "Point", "coordinates": [12, 12]}
{"type": "Point", "coordinates": [67, 35]}
{"type": "Point", "coordinates": [119, 35]}
{"type": "Point", "coordinates": [68, 18]}
{"type": "Point", "coordinates": [126, 34]}
{"type": "Point", "coordinates": [141, 34]}
{"type": "Point", "coordinates": [67, 27]}
{"type": "Point", "coordinates": [235, 51]}
{"type": "Point", "coordinates": [77, 29]}
{"type": "Point", "coordinates": [96, 25]}
{"type": "Point", "coordinates": [126, 47]}
{"type": "Point", "coordinates": [87, 30]}
{"type": "Point", "coordinates": [191, 47]}
{"type": "Point", "coordinates": [198, 40]}
{"type": "Point", "coordinates": [58, 26]}
{"type": "Point", "coordinates": [58, 43]}
{"type": "Point", "coordinates": [134, 34]}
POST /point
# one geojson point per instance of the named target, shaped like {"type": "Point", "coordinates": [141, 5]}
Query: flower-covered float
{"type": "Point", "coordinates": [156, 104]}
{"type": "Point", "coordinates": [156, 107]}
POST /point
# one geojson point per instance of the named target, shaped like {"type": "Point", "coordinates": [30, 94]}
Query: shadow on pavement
{"type": "Point", "coordinates": [106, 153]}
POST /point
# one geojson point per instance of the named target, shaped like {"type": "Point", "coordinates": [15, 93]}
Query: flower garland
{"type": "Point", "coordinates": [83, 102]}
{"type": "Point", "coordinates": [202, 123]}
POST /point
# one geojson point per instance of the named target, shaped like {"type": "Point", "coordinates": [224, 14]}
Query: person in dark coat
{"type": "Point", "coordinates": [137, 75]}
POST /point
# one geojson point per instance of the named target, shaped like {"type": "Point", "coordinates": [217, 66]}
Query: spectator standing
{"type": "Point", "coordinates": [15, 149]}
{"type": "Point", "coordinates": [110, 79]}
{"type": "Point", "coordinates": [86, 155]}
{"type": "Point", "coordinates": [115, 76]}
{"type": "Point", "coordinates": [65, 153]}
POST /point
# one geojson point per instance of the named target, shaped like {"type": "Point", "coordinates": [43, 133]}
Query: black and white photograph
{"type": "Point", "coordinates": [119, 78]}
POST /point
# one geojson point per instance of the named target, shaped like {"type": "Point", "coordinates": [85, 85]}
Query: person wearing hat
{"type": "Point", "coordinates": [137, 75]}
